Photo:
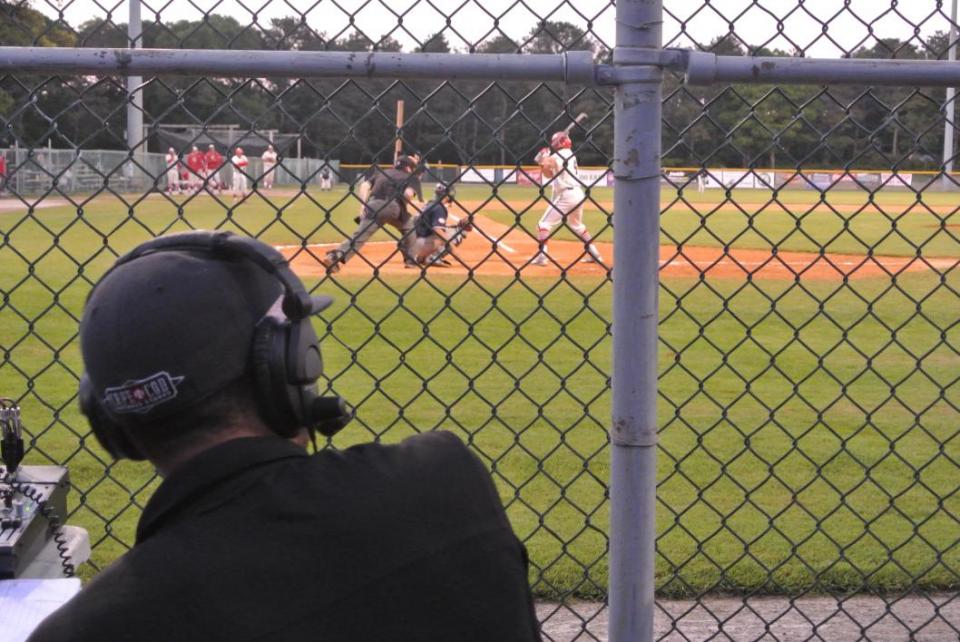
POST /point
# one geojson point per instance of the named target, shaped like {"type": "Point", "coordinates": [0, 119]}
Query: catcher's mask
{"type": "Point", "coordinates": [444, 190]}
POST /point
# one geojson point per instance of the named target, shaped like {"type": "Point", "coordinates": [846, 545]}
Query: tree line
{"type": "Point", "coordinates": [464, 121]}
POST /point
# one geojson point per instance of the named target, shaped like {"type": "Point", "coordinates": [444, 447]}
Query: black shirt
{"type": "Point", "coordinates": [257, 540]}
{"type": "Point", "coordinates": [434, 215]}
{"type": "Point", "coordinates": [390, 184]}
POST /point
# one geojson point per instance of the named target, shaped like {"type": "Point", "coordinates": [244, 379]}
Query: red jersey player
{"type": "Point", "coordinates": [214, 162]}
{"type": "Point", "coordinates": [196, 164]}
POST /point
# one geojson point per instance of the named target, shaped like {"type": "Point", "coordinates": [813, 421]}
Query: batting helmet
{"type": "Point", "coordinates": [560, 140]}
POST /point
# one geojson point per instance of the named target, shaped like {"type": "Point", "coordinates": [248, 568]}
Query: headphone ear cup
{"type": "Point", "coordinates": [270, 374]}
{"type": "Point", "coordinates": [109, 434]}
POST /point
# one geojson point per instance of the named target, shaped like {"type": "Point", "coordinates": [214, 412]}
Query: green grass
{"type": "Point", "coordinates": [809, 429]}
{"type": "Point", "coordinates": [896, 224]}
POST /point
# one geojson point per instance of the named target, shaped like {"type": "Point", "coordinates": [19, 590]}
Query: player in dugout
{"type": "Point", "coordinates": [196, 163]}
{"type": "Point", "coordinates": [249, 536]}
{"type": "Point", "coordinates": [239, 163]}
{"type": "Point", "coordinates": [269, 158]}
{"type": "Point", "coordinates": [172, 160]}
{"type": "Point", "coordinates": [393, 201]}
{"type": "Point", "coordinates": [213, 162]}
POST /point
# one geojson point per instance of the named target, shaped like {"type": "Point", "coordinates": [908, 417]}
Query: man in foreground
{"type": "Point", "coordinates": [249, 537]}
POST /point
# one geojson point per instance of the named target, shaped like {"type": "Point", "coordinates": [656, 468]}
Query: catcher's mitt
{"type": "Point", "coordinates": [463, 228]}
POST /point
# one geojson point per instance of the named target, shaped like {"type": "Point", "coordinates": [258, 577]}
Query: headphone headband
{"type": "Point", "coordinates": [297, 302]}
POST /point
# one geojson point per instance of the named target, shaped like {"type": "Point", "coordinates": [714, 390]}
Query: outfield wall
{"type": "Point", "coordinates": [82, 171]}
{"type": "Point", "coordinates": [77, 171]}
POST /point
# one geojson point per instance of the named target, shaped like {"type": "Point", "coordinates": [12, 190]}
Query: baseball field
{"type": "Point", "coordinates": [809, 360]}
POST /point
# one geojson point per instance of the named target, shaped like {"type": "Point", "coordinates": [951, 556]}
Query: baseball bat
{"type": "Point", "coordinates": [582, 116]}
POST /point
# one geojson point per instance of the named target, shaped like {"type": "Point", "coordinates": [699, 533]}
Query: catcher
{"type": "Point", "coordinates": [559, 164]}
{"type": "Point", "coordinates": [437, 231]}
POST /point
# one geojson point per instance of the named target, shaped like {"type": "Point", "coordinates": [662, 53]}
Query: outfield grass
{"type": "Point", "coordinates": [783, 405]}
{"type": "Point", "coordinates": [894, 223]}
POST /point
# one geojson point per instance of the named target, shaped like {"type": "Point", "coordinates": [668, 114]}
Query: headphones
{"type": "Point", "coordinates": [286, 359]}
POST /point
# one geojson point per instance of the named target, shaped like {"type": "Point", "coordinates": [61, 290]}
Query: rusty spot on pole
{"type": "Point", "coordinates": [122, 57]}
{"type": "Point", "coordinates": [620, 425]}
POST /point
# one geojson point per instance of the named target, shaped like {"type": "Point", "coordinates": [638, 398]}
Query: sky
{"type": "Point", "coordinates": [849, 23]}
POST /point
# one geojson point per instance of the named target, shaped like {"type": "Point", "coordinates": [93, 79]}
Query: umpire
{"type": "Point", "coordinates": [200, 357]}
{"type": "Point", "coordinates": [393, 194]}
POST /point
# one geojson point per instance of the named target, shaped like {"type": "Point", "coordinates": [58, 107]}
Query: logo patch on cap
{"type": "Point", "coordinates": [141, 395]}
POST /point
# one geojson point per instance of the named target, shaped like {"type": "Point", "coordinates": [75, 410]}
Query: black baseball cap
{"type": "Point", "coordinates": [166, 330]}
{"type": "Point", "coordinates": [406, 162]}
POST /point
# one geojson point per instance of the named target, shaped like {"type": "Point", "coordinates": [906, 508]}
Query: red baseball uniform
{"type": "Point", "coordinates": [214, 160]}
{"type": "Point", "coordinates": [195, 161]}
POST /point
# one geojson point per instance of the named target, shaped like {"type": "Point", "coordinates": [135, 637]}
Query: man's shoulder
{"type": "Point", "coordinates": [108, 608]}
{"type": "Point", "coordinates": [437, 444]}
{"type": "Point", "coordinates": [433, 455]}
{"type": "Point", "coordinates": [394, 174]}
{"type": "Point", "coordinates": [437, 468]}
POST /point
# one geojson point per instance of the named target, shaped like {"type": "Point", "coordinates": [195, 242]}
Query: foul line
{"type": "Point", "coordinates": [503, 230]}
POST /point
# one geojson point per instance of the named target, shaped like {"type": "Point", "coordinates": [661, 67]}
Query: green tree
{"type": "Point", "coordinates": [30, 103]}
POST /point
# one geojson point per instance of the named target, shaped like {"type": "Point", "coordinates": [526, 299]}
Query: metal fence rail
{"type": "Point", "coordinates": [750, 433]}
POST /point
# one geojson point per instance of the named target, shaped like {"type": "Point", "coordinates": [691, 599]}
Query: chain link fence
{"type": "Point", "coordinates": [47, 172]}
{"type": "Point", "coordinates": [808, 481]}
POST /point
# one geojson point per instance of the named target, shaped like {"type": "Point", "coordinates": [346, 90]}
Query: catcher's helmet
{"type": "Point", "coordinates": [560, 140]}
{"type": "Point", "coordinates": [444, 190]}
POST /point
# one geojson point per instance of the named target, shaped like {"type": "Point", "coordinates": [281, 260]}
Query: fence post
{"type": "Point", "coordinates": [949, 104]}
{"type": "Point", "coordinates": [134, 96]}
{"type": "Point", "coordinates": [636, 166]}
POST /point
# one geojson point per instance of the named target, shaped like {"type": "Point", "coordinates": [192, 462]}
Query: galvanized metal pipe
{"type": "Point", "coordinates": [134, 93]}
{"type": "Point", "coordinates": [949, 104]}
{"type": "Point", "coordinates": [576, 67]}
{"type": "Point", "coordinates": [706, 68]}
{"type": "Point", "coordinates": [633, 436]}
